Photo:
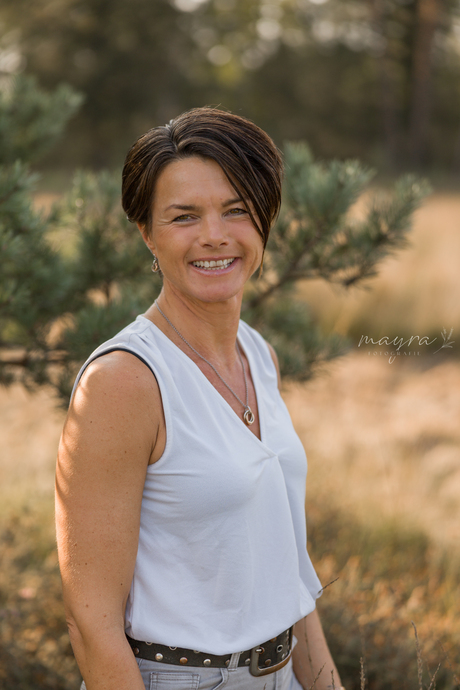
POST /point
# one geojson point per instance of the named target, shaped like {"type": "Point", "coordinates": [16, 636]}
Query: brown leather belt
{"type": "Point", "coordinates": [265, 658]}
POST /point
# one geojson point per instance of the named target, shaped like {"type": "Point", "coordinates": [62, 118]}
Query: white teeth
{"type": "Point", "coordinates": [219, 264]}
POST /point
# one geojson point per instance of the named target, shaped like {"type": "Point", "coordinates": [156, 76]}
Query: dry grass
{"type": "Point", "coordinates": [383, 507]}
{"type": "Point", "coordinates": [416, 291]}
{"type": "Point", "coordinates": [30, 426]}
{"type": "Point", "coordinates": [384, 441]}
{"type": "Point", "coordinates": [34, 644]}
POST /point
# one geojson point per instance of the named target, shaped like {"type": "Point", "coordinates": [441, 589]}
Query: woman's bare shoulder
{"type": "Point", "coordinates": [118, 374]}
{"type": "Point", "coordinates": [118, 395]}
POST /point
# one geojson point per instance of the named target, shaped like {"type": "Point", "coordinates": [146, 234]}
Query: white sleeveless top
{"type": "Point", "coordinates": [222, 563]}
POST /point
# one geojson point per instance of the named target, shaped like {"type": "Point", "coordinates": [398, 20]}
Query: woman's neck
{"type": "Point", "coordinates": [210, 328]}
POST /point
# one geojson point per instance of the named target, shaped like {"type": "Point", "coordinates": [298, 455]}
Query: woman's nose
{"type": "Point", "coordinates": [213, 231]}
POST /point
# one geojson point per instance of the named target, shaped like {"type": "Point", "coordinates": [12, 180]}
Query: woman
{"type": "Point", "coordinates": [180, 479]}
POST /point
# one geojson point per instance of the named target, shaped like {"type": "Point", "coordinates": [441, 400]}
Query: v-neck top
{"type": "Point", "coordinates": [222, 561]}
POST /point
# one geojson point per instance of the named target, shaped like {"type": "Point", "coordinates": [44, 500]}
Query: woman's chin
{"type": "Point", "coordinates": [210, 294]}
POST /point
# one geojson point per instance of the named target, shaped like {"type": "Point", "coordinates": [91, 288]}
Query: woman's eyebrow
{"type": "Point", "coordinates": [182, 207]}
{"type": "Point", "coordinates": [192, 207]}
{"type": "Point", "coordinates": [236, 200]}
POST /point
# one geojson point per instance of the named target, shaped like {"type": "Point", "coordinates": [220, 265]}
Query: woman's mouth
{"type": "Point", "coordinates": [213, 265]}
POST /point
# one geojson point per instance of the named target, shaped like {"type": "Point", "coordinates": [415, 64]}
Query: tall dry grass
{"type": "Point", "coordinates": [384, 441]}
{"type": "Point", "coordinates": [383, 507]}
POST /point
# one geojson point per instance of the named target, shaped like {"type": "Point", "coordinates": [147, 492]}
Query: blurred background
{"type": "Point", "coordinates": [374, 80]}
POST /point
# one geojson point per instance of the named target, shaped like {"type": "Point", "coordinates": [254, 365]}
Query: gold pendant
{"type": "Point", "coordinates": [248, 416]}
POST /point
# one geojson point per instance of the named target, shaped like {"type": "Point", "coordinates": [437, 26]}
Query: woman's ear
{"type": "Point", "coordinates": [146, 237]}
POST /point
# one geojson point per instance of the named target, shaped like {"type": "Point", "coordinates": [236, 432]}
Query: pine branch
{"type": "Point", "coordinates": [27, 358]}
{"type": "Point", "coordinates": [289, 275]}
{"type": "Point", "coordinates": [31, 119]}
{"type": "Point", "coordinates": [317, 240]}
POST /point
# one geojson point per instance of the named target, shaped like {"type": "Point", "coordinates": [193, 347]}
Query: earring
{"type": "Point", "coordinates": [155, 265]}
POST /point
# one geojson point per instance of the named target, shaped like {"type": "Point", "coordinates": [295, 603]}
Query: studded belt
{"type": "Point", "coordinates": [263, 659]}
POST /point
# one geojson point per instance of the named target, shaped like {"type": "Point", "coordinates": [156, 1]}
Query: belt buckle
{"type": "Point", "coordinates": [254, 665]}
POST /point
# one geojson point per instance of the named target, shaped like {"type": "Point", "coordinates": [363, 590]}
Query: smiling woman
{"type": "Point", "coordinates": [180, 479]}
{"type": "Point", "coordinates": [212, 248]}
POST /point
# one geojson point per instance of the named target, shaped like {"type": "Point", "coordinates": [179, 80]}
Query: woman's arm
{"type": "Point", "coordinates": [311, 656]}
{"type": "Point", "coordinates": [113, 430]}
{"type": "Point", "coordinates": [311, 653]}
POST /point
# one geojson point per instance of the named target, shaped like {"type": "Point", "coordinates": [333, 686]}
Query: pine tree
{"type": "Point", "coordinates": [33, 280]}
{"type": "Point", "coordinates": [72, 279]}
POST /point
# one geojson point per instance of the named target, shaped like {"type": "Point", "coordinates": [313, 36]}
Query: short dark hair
{"type": "Point", "coordinates": [246, 154]}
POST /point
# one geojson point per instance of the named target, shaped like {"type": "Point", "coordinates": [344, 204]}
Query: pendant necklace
{"type": "Point", "coordinates": [248, 414]}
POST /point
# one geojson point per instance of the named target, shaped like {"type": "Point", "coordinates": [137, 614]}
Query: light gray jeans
{"type": "Point", "coordinates": [158, 676]}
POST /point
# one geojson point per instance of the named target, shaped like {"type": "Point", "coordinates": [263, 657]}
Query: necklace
{"type": "Point", "coordinates": [248, 414]}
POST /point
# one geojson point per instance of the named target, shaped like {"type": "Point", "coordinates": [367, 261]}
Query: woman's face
{"type": "Point", "coordinates": [201, 232]}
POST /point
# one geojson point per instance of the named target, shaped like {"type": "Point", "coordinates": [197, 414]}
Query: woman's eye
{"type": "Point", "coordinates": [182, 218]}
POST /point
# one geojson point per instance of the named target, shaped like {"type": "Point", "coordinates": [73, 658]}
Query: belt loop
{"type": "Point", "coordinates": [234, 659]}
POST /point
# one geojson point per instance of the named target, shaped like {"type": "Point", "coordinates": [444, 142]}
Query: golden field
{"type": "Point", "coordinates": [417, 290]}
{"type": "Point", "coordinates": [383, 508]}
